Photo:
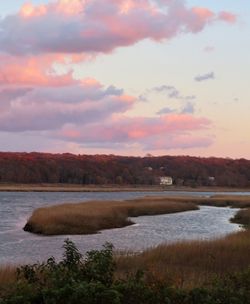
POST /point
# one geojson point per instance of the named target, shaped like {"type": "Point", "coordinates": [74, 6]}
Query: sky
{"type": "Point", "coordinates": [124, 77]}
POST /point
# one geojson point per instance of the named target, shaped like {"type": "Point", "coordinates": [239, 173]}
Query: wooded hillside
{"type": "Point", "coordinates": [111, 169]}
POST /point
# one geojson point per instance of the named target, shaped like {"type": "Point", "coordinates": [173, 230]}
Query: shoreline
{"type": "Point", "coordinates": [110, 188]}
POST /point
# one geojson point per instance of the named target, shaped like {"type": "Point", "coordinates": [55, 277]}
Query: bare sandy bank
{"type": "Point", "coordinates": [109, 188]}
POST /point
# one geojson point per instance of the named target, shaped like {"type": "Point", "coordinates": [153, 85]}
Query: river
{"type": "Point", "coordinates": [17, 246]}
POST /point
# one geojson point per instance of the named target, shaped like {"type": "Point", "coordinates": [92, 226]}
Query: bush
{"type": "Point", "coordinates": [72, 280]}
{"type": "Point", "coordinates": [90, 280]}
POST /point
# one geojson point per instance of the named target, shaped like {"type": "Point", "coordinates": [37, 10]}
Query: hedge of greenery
{"type": "Point", "coordinates": [90, 280]}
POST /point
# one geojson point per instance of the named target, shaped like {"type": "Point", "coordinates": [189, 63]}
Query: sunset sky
{"type": "Point", "coordinates": [127, 77]}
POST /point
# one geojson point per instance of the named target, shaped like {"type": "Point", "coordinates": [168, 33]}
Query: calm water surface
{"type": "Point", "coordinates": [17, 246]}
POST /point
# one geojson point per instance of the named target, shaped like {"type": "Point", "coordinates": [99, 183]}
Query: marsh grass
{"type": "Point", "coordinates": [234, 201]}
{"type": "Point", "coordinates": [242, 217]}
{"type": "Point", "coordinates": [190, 264]}
{"type": "Point", "coordinates": [7, 276]}
{"type": "Point", "coordinates": [184, 264]}
{"type": "Point", "coordinates": [91, 217]}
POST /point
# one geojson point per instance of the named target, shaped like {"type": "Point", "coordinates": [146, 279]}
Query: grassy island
{"type": "Point", "coordinates": [93, 216]}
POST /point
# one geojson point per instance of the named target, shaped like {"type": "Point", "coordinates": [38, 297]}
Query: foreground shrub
{"type": "Point", "coordinates": [90, 280]}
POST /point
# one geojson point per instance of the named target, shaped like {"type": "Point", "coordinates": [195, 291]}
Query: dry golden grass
{"type": "Point", "coordinates": [7, 275]}
{"type": "Point", "coordinates": [91, 217]}
{"type": "Point", "coordinates": [242, 217]}
{"type": "Point", "coordinates": [183, 264]}
{"type": "Point", "coordinates": [189, 264]}
{"type": "Point", "coordinates": [233, 201]}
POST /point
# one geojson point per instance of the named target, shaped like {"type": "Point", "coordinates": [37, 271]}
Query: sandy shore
{"type": "Point", "coordinates": [108, 188]}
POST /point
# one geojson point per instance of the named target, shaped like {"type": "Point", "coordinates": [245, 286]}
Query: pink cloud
{"type": "Point", "coordinates": [49, 108]}
{"type": "Point", "coordinates": [169, 131]}
{"type": "Point", "coordinates": [203, 13]}
{"type": "Point", "coordinates": [36, 71]}
{"type": "Point", "coordinates": [28, 10]}
{"type": "Point", "coordinates": [181, 141]}
{"type": "Point", "coordinates": [227, 17]}
{"type": "Point", "coordinates": [99, 26]}
{"type": "Point", "coordinates": [87, 113]}
{"type": "Point", "coordinates": [35, 98]}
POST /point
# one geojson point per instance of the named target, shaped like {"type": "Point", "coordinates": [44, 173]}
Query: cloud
{"type": "Point", "coordinates": [142, 98]}
{"type": "Point", "coordinates": [32, 71]}
{"type": "Point", "coordinates": [172, 92]}
{"type": "Point", "coordinates": [182, 141]}
{"type": "Point", "coordinates": [165, 110]}
{"type": "Point", "coordinates": [188, 108]}
{"type": "Point", "coordinates": [227, 16]}
{"type": "Point", "coordinates": [92, 115]}
{"type": "Point", "coordinates": [122, 131]}
{"type": "Point", "coordinates": [164, 88]}
{"type": "Point", "coordinates": [33, 109]}
{"type": "Point", "coordinates": [209, 49]}
{"type": "Point", "coordinates": [8, 94]}
{"type": "Point", "coordinates": [38, 91]}
{"type": "Point", "coordinates": [204, 77]}
{"type": "Point", "coordinates": [99, 26]}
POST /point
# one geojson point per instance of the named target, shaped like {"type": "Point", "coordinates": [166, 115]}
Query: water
{"type": "Point", "coordinates": [17, 246]}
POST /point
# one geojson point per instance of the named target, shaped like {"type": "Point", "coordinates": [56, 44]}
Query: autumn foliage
{"type": "Point", "coordinates": [121, 170]}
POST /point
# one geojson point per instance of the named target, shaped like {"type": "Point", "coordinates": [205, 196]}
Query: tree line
{"type": "Point", "coordinates": [122, 170]}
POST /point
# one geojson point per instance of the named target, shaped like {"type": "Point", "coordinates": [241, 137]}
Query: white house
{"type": "Point", "coordinates": [166, 181]}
